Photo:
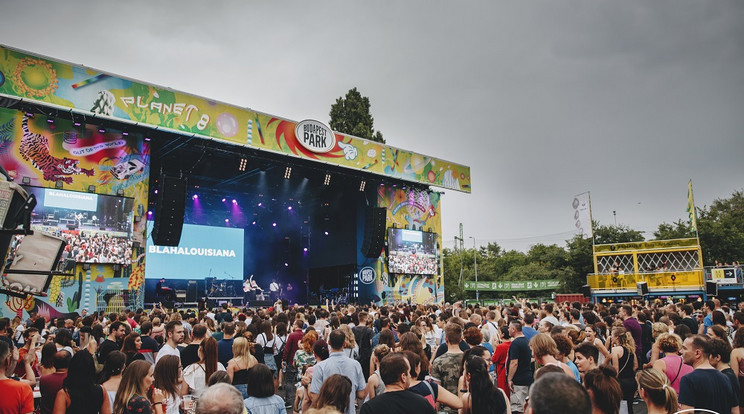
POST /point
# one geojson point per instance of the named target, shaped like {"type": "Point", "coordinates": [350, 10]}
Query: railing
{"type": "Point", "coordinates": [688, 279]}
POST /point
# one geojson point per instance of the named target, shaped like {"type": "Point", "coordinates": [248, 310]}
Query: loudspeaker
{"type": "Point", "coordinates": [642, 288]}
{"type": "Point", "coordinates": [191, 292]}
{"type": "Point", "coordinates": [374, 232]}
{"type": "Point", "coordinates": [587, 291]}
{"type": "Point", "coordinates": [711, 288]}
{"type": "Point", "coordinates": [169, 211]}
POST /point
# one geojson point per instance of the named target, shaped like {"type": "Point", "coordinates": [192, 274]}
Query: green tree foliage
{"type": "Point", "coordinates": [351, 115]}
{"type": "Point", "coordinates": [678, 230]}
{"type": "Point", "coordinates": [721, 229]}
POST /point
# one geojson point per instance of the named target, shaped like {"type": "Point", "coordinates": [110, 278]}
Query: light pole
{"type": "Point", "coordinates": [475, 259]}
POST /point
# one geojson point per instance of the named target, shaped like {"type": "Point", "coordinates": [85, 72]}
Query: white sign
{"type": "Point", "coordinates": [315, 136]}
{"type": "Point", "coordinates": [367, 275]}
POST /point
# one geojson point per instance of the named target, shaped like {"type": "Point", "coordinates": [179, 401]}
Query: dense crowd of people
{"type": "Point", "coordinates": [520, 358]}
{"type": "Point", "coordinates": [91, 247]}
{"type": "Point", "coordinates": [419, 264]}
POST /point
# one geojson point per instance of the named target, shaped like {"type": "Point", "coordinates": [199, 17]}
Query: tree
{"type": "Point", "coordinates": [350, 115]}
{"type": "Point", "coordinates": [721, 229]}
{"type": "Point", "coordinates": [677, 230]}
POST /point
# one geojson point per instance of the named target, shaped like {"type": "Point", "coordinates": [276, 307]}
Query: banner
{"type": "Point", "coordinates": [583, 215]}
{"type": "Point", "coordinates": [512, 286]}
{"type": "Point", "coordinates": [646, 245]}
{"type": "Point", "coordinates": [93, 92]}
{"type": "Point", "coordinates": [691, 207]}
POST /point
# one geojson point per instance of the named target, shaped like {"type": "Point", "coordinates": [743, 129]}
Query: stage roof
{"type": "Point", "coordinates": [82, 90]}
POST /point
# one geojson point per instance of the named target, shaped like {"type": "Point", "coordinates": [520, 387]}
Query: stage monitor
{"type": "Point", "coordinates": [96, 227]}
{"type": "Point", "coordinates": [412, 252]}
{"type": "Point", "coordinates": [203, 251]}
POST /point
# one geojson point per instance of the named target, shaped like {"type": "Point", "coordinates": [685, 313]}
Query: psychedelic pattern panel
{"type": "Point", "coordinates": [419, 210]}
{"type": "Point", "coordinates": [99, 93]}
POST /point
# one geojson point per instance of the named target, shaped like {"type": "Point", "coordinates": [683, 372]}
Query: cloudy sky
{"type": "Point", "coordinates": [542, 99]}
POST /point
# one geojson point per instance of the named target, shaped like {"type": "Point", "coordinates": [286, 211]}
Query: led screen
{"type": "Point", "coordinates": [412, 252]}
{"type": "Point", "coordinates": [97, 228]}
{"type": "Point", "coordinates": [203, 251]}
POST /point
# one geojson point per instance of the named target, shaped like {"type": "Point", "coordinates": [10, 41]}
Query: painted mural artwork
{"type": "Point", "coordinates": [96, 92]}
{"type": "Point", "coordinates": [416, 210]}
{"type": "Point", "coordinates": [40, 151]}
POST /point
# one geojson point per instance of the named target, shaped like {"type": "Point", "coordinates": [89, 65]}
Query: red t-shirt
{"type": "Point", "coordinates": [17, 397]}
{"type": "Point", "coordinates": [49, 385]}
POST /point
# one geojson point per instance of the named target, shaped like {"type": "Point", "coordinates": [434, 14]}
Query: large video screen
{"type": "Point", "coordinates": [412, 252]}
{"type": "Point", "coordinates": [96, 227]}
{"type": "Point", "coordinates": [203, 251]}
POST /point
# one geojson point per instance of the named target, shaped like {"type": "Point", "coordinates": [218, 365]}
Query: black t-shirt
{"type": "Point", "coordinates": [149, 344]}
{"type": "Point", "coordinates": [223, 317]}
{"type": "Point", "coordinates": [707, 388]}
{"type": "Point", "coordinates": [189, 354]}
{"type": "Point", "coordinates": [519, 350]}
{"type": "Point", "coordinates": [106, 348]}
{"type": "Point", "coordinates": [729, 373]}
{"type": "Point", "coordinates": [691, 323]}
{"type": "Point", "coordinates": [398, 402]}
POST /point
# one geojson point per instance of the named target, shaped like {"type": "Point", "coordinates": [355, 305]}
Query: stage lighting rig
{"type": "Point", "coordinates": [287, 172]}
{"type": "Point", "coordinates": [362, 185]}
{"type": "Point", "coordinates": [243, 164]}
{"type": "Point", "coordinates": [327, 180]}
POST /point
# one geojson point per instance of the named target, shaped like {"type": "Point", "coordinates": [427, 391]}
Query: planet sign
{"type": "Point", "coordinates": [315, 136]}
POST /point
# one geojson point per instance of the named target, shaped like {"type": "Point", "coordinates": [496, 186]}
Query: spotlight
{"type": "Point", "coordinates": [148, 139]}
{"type": "Point", "coordinates": [287, 173]}
{"type": "Point", "coordinates": [91, 189]}
{"type": "Point", "coordinates": [149, 213]}
{"type": "Point", "coordinates": [243, 164]}
{"type": "Point", "coordinates": [125, 133]}
{"type": "Point", "coordinates": [286, 264]}
{"type": "Point", "coordinates": [260, 204]}
{"type": "Point", "coordinates": [227, 220]}
{"type": "Point", "coordinates": [235, 201]}
{"type": "Point", "coordinates": [58, 184]}
{"type": "Point", "coordinates": [362, 184]}
{"type": "Point", "coordinates": [194, 197]}
{"type": "Point", "coordinates": [289, 208]}
{"type": "Point", "coordinates": [156, 191]}
{"type": "Point", "coordinates": [254, 222]}
{"type": "Point", "coordinates": [305, 249]}
{"type": "Point", "coordinates": [325, 232]}
{"type": "Point", "coordinates": [273, 224]}
{"type": "Point", "coordinates": [224, 199]}
{"type": "Point", "coordinates": [327, 180]}
{"type": "Point", "coordinates": [50, 120]}
{"type": "Point", "coordinates": [77, 124]}
{"type": "Point", "coordinates": [101, 129]}
{"type": "Point", "coordinates": [26, 180]}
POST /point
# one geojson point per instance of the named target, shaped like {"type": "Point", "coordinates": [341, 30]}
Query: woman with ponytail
{"type": "Point", "coordinates": [604, 389]}
{"type": "Point", "coordinates": [483, 397]}
{"type": "Point", "coordinates": [110, 377]}
{"type": "Point", "coordinates": [625, 363]}
{"type": "Point", "coordinates": [656, 392]}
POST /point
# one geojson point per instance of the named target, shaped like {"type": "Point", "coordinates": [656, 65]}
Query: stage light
{"type": "Point", "coordinates": [286, 264]}
{"type": "Point", "coordinates": [305, 249]}
{"type": "Point", "coordinates": [260, 204]}
{"type": "Point", "coordinates": [254, 222]}
{"type": "Point", "coordinates": [289, 208]}
{"type": "Point", "coordinates": [120, 192]}
{"type": "Point", "coordinates": [194, 197]}
{"type": "Point", "coordinates": [235, 201]}
{"type": "Point", "coordinates": [156, 191]}
{"type": "Point", "coordinates": [362, 184]}
{"type": "Point", "coordinates": [243, 164]}
{"type": "Point", "coordinates": [325, 232]}
{"type": "Point", "coordinates": [50, 120]}
{"type": "Point", "coordinates": [125, 133]}
{"type": "Point", "coordinates": [223, 200]}
{"type": "Point", "coordinates": [273, 224]}
{"type": "Point", "coordinates": [147, 139]}
{"type": "Point", "coordinates": [287, 173]}
{"type": "Point", "coordinates": [149, 213]}
{"type": "Point", "coordinates": [102, 130]}
{"type": "Point", "coordinates": [327, 180]}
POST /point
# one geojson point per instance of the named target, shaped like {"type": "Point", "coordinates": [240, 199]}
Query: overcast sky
{"type": "Point", "coordinates": [543, 99]}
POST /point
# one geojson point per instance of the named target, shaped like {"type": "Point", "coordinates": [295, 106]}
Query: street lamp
{"type": "Point", "coordinates": [475, 259]}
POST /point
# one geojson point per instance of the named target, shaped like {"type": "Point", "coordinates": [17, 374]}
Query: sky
{"type": "Point", "coordinates": [543, 100]}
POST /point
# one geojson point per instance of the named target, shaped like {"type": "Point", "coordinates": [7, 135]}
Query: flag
{"type": "Point", "coordinates": [691, 207]}
{"type": "Point", "coordinates": [583, 214]}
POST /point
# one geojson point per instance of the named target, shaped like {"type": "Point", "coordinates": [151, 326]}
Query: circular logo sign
{"type": "Point", "coordinates": [367, 275]}
{"type": "Point", "coordinates": [315, 136]}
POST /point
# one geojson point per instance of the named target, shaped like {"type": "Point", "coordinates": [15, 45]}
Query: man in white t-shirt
{"type": "Point", "coordinates": [174, 336]}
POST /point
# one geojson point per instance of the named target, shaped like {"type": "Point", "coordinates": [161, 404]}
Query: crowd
{"type": "Point", "coordinates": [91, 247]}
{"type": "Point", "coordinates": [521, 358]}
{"type": "Point", "coordinates": [421, 264]}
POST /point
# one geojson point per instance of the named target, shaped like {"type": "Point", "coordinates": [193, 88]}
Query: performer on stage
{"type": "Point", "coordinates": [164, 291]}
{"type": "Point", "coordinates": [251, 288]}
{"type": "Point", "coordinates": [274, 290]}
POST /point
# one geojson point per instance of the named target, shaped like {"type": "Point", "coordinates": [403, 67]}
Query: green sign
{"type": "Point", "coordinates": [512, 286]}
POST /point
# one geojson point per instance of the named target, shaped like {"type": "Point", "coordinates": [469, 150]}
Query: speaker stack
{"type": "Point", "coordinates": [169, 211]}
{"type": "Point", "coordinates": [374, 232]}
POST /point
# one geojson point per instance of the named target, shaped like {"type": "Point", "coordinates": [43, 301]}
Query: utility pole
{"type": "Point", "coordinates": [462, 249]}
{"type": "Point", "coordinates": [475, 259]}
